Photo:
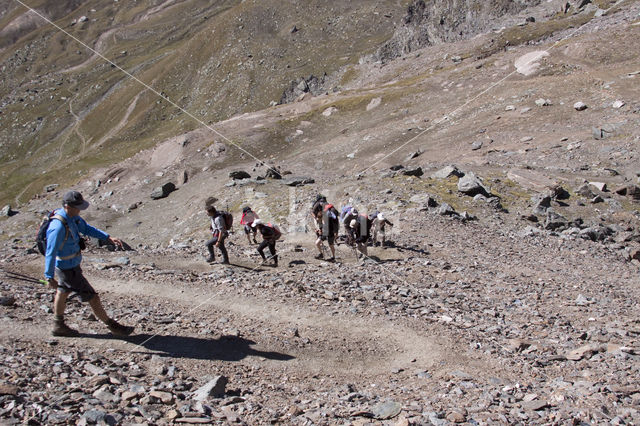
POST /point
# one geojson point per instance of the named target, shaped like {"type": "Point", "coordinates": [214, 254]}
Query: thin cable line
{"type": "Point", "coordinates": [142, 83]}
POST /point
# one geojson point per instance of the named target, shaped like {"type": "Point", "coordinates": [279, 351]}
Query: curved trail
{"type": "Point", "coordinates": [347, 346]}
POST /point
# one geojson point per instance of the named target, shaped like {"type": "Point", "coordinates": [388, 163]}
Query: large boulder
{"type": "Point", "coordinates": [471, 185]}
{"type": "Point", "coordinates": [163, 191]}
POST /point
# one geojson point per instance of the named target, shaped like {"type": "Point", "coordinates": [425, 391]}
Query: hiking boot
{"type": "Point", "coordinates": [320, 256]}
{"type": "Point", "coordinates": [211, 259]}
{"type": "Point", "coordinates": [118, 329]}
{"type": "Point", "coordinates": [60, 329]}
{"type": "Point", "coordinates": [332, 259]}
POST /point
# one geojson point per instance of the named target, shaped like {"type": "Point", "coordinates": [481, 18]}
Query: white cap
{"type": "Point", "coordinates": [257, 222]}
{"type": "Point", "coordinates": [353, 223]}
{"type": "Point", "coordinates": [380, 216]}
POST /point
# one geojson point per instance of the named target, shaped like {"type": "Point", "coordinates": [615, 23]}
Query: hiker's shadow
{"type": "Point", "coordinates": [224, 348]}
{"type": "Point", "coordinates": [391, 244]}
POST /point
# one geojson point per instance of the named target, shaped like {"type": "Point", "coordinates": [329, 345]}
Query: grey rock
{"type": "Point", "coordinates": [585, 191]}
{"type": "Point", "coordinates": [446, 210]}
{"type": "Point", "coordinates": [596, 233]}
{"type": "Point", "coordinates": [396, 167]}
{"type": "Point", "coordinates": [542, 204]}
{"type": "Point", "coordinates": [386, 410]}
{"type": "Point", "coordinates": [632, 191]}
{"type": "Point", "coordinates": [471, 185]}
{"type": "Point", "coordinates": [51, 188]}
{"type": "Point", "coordinates": [543, 102]}
{"type": "Point", "coordinates": [104, 396]}
{"type": "Point", "coordinates": [272, 173]}
{"type": "Point", "coordinates": [603, 132]}
{"type": "Point", "coordinates": [94, 416]}
{"type": "Point", "coordinates": [239, 174]}
{"type": "Point", "coordinates": [6, 211]}
{"type": "Point", "coordinates": [580, 106]}
{"type": "Point", "coordinates": [494, 203]}
{"type": "Point", "coordinates": [559, 193]}
{"type": "Point", "coordinates": [297, 181]}
{"type": "Point", "coordinates": [555, 221]}
{"type": "Point", "coordinates": [417, 172]}
{"type": "Point", "coordinates": [163, 191]}
{"type": "Point", "coordinates": [600, 186]}
{"type": "Point", "coordinates": [466, 216]}
{"type": "Point", "coordinates": [7, 301]}
{"type": "Point", "coordinates": [476, 145]}
{"type": "Point", "coordinates": [582, 301]}
{"type": "Point", "coordinates": [447, 172]}
{"type": "Point", "coordinates": [413, 155]}
{"type": "Point", "coordinates": [215, 388]}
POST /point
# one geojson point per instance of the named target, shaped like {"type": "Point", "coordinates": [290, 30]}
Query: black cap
{"type": "Point", "coordinates": [74, 199]}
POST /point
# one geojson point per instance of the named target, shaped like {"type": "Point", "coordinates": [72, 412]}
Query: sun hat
{"type": "Point", "coordinates": [257, 222]}
{"type": "Point", "coordinates": [74, 199]}
{"type": "Point", "coordinates": [353, 223]}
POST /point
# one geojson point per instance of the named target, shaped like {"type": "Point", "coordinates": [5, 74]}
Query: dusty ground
{"type": "Point", "coordinates": [492, 321]}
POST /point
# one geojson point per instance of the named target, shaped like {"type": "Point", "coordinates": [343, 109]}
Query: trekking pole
{"type": "Point", "coordinates": [22, 277]}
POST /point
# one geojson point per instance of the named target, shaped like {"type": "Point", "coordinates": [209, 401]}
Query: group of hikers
{"type": "Point", "coordinates": [60, 241]}
{"type": "Point", "coordinates": [360, 229]}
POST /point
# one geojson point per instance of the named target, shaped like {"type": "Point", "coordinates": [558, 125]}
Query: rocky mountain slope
{"type": "Point", "coordinates": [503, 148]}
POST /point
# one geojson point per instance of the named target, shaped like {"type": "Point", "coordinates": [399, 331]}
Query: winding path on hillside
{"type": "Point", "coordinates": [99, 46]}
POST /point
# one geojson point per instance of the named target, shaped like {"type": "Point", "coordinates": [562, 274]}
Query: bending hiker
{"type": "Point", "coordinates": [378, 226]}
{"type": "Point", "coordinates": [270, 234]}
{"type": "Point", "coordinates": [327, 230]}
{"type": "Point", "coordinates": [219, 233]}
{"type": "Point", "coordinates": [248, 217]}
{"type": "Point", "coordinates": [64, 256]}
{"type": "Point", "coordinates": [360, 230]}
{"type": "Point", "coordinates": [348, 214]}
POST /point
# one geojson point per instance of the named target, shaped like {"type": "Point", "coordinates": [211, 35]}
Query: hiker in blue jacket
{"type": "Point", "coordinates": [63, 255]}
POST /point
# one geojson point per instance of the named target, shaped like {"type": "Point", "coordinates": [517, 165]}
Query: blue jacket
{"type": "Point", "coordinates": [63, 257]}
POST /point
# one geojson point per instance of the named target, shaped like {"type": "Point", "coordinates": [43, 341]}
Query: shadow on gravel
{"type": "Point", "coordinates": [391, 244]}
{"type": "Point", "coordinates": [225, 348]}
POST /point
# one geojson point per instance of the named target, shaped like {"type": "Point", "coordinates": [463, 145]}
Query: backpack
{"type": "Point", "coordinates": [228, 220]}
{"type": "Point", "coordinates": [276, 231]}
{"type": "Point", "coordinates": [248, 217]}
{"type": "Point", "coordinates": [345, 210]}
{"type": "Point", "coordinates": [41, 237]}
{"type": "Point", "coordinates": [331, 211]}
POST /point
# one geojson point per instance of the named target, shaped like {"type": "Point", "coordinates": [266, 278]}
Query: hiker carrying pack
{"type": "Point", "coordinates": [63, 258]}
{"type": "Point", "coordinates": [270, 234]}
{"type": "Point", "coordinates": [248, 216]}
{"type": "Point", "coordinates": [221, 222]}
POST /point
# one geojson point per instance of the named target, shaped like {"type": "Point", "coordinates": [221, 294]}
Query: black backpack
{"type": "Point", "coordinates": [41, 237]}
{"type": "Point", "coordinates": [228, 220]}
